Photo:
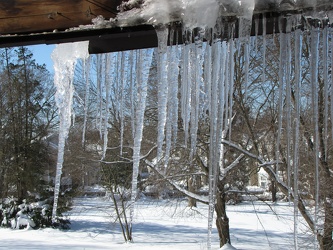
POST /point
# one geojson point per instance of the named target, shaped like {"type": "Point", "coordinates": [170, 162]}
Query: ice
{"type": "Point", "coordinates": [222, 103]}
{"type": "Point", "coordinates": [220, 85]}
{"type": "Point", "coordinates": [172, 110]}
{"type": "Point", "coordinates": [64, 58]}
{"type": "Point", "coordinates": [326, 88]}
{"type": "Point", "coordinates": [154, 12]}
{"type": "Point", "coordinates": [247, 64]}
{"type": "Point", "coordinates": [213, 137]}
{"type": "Point", "coordinates": [107, 104]}
{"type": "Point", "coordinates": [281, 99]}
{"type": "Point", "coordinates": [132, 60]}
{"type": "Point", "coordinates": [331, 90]}
{"type": "Point", "coordinates": [200, 14]}
{"type": "Point", "coordinates": [186, 89]}
{"type": "Point", "coordinates": [86, 98]}
{"type": "Point", "coordinates": [264, 24]}
{"type": "Point", "coordinates": [100, 116]}
{"type": "Point", "coordinates": [230, 83]}
{"type": "Point", "coordinates": [163, 88]}
{"type": "Point", "coordinates": [122, 81]}
{"type": "Point", "coordinates": [196, 79]}
{"type": "Point", "coordinates": [245, 19]}
{"type": "Point", "coordinates": [298, 73]}
{"type": "Point", "coordinates": [314, 76]}
{"type": "Point", "coordinates": [201, 74]}
{"type": "Point", "coordinates": [144, 62]}
{"type": "Point", "coordinates": [173, 92]}
{"type": "Point", "coordinates": [288, 108]}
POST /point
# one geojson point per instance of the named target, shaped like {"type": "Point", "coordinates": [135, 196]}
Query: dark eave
{"type": "Point", "coordinates": [28, 22]}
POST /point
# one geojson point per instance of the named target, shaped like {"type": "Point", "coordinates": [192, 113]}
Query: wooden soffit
{"type": "Point", "coordinates": [28, 22]}
{"type": "Point", "coordinates": [35, 16]}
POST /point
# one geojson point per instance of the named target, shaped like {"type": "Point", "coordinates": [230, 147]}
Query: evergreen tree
{"type": "Point", "coordinates": [26, 115]}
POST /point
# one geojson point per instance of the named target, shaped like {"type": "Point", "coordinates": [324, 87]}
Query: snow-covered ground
{"type": "Point", "coordinates": [161, 225]}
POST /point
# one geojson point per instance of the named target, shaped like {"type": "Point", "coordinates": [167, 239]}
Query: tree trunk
{"type": "Point", "coordinates": [191, 187]}
{"type": "Point", "coordinates": [325, 241]}
{"type": "Point", "coordinates": [273, 190]}
{"type": "Point", "coordinates": [222, 220]}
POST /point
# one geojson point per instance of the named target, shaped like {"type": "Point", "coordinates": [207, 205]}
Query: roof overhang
{"type": "Point", "coordinates": [28, 22]}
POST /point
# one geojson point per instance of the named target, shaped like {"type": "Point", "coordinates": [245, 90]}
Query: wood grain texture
{"type": "Point", "coordinates": [29, 16]}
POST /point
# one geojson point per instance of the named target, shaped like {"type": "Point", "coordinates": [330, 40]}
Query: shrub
{"type": "Point", "coordinates": [33, 213]}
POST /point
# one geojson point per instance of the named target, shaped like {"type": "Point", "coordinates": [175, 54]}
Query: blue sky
{"type": "Point", "coordinates": [42, 54]}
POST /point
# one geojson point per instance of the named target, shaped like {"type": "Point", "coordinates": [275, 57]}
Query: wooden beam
{"type": "Point", "coordinates": [28, 22]}
{"type": "Point", "coordinates": [31, 16]}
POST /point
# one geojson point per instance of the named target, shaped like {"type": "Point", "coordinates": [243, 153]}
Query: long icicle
{"type": "Point", "coordinates": [264, 25]}
{"type": "Point", "coordinates": [331, 92]}
{"type": "Point", "coordinates": [162, 68]}
{"type": "Point", "coordinates": [143, 64]}
{"type": "Point", "coordinates": [122, 81]}
{"type": "Point", "coordinates": [298, 58]}
{"type": "Point", "coordinates": [213, 132]}
{"type": "Point", "coordinates": [64, 57]}
{"type": "Point", "coordinates": [132, 60]}
{"type": "Point", "coordinates": [185, 91]}
{"type": "Point", "coordinates": [280, 101]}
{"type": "Point", "coordinates": [99, 93]}
{"type": "Point", "coordinates": [195, 105]}
{"type": "Point", "coordinates": [288, 106]}
{"type": "Point", "coordinates": [326, 87]}
{"type": "Point", "coordinates": [107, 105]}
{"type": "Point", "coordinates": [86, 99]}
{"type": "Point", "coordinates": [314, 77]}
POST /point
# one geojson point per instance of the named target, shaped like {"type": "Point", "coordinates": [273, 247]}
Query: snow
{"type": "Point", "coordinates": [198, 13]}
{"type": "Point", "coordinates": [227, 247]}
{"type": "Point", "coordinates": [161, 224]}
{"type": "Point", "coordinates": [219, 82]}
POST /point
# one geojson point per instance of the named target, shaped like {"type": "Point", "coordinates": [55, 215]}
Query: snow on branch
{"type": "Point", "coordinates": [197, 197]}
{"type": "Point", "coordinates": [231, 166]}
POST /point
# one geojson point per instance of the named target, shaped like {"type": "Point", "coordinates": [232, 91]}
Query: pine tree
{"type": "Point", "coordinates": [26, 116]}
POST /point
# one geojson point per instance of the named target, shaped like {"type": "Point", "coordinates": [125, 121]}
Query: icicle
{"type": "Point", "coordinates": [162, 68]}
{"type": "Point", "coordinates": [264, 26]}
{"type": "Point", "coordinates": [64, 57]}
{"type": "Point", "coordinates": [231, 85]}
{"type": "Point", "coordinates": [174, 78]}
{"type": "Point", "coordinates": [121, 101]}
{"type": "Point", "coordinates": [256, 26]}
{"type": "Point", "coordinates": [107, 105]}
{"type": "Point", "coordinates": [172, 111]}
{"type": "Point", "coordinates": [86, 99]}
{"type": "Point", "coordinates": [288, 104]}
{"type": "Point", "coordinates": [247, 64]}
{"type": "Point", "coordinates": [214, 144]}
{"type": "Point", "coordinates": [226, 88]}
{"type": "Point", "coordinates": [196, 72]}
{"type": "Point", "coordinates": [207, 77]}
{"type": "Point", "coordinates": [314, 77]}
{"type": "Point", "coordinates": [326, 87]}
{"type": "Point", "coordinates": [186, 90]}
{"type": "Point", "coordinates": [222, 104]}
{"type": "Point", "coordinates": [280, 101]}
{"type": "Point", "coordinates": [132, 61]}
{"type": "Point", "coordinates": [170, 114]}
{"type": "Point", "coordinates": [298, 61]}
{"type": "Point", "coordinates": [99, 94]}
{"type": "Point", "coordinates": [213, 125]}
{"type": "Point", "coordinates": [143, 64]}
{"type": "Point", "coordinates": [331, 92]}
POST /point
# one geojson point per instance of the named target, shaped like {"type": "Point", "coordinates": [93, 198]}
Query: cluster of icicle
{"type": "Point", "coordinates": [206, 87]}
{"type": "Point", "coordinates": [64, 58]}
